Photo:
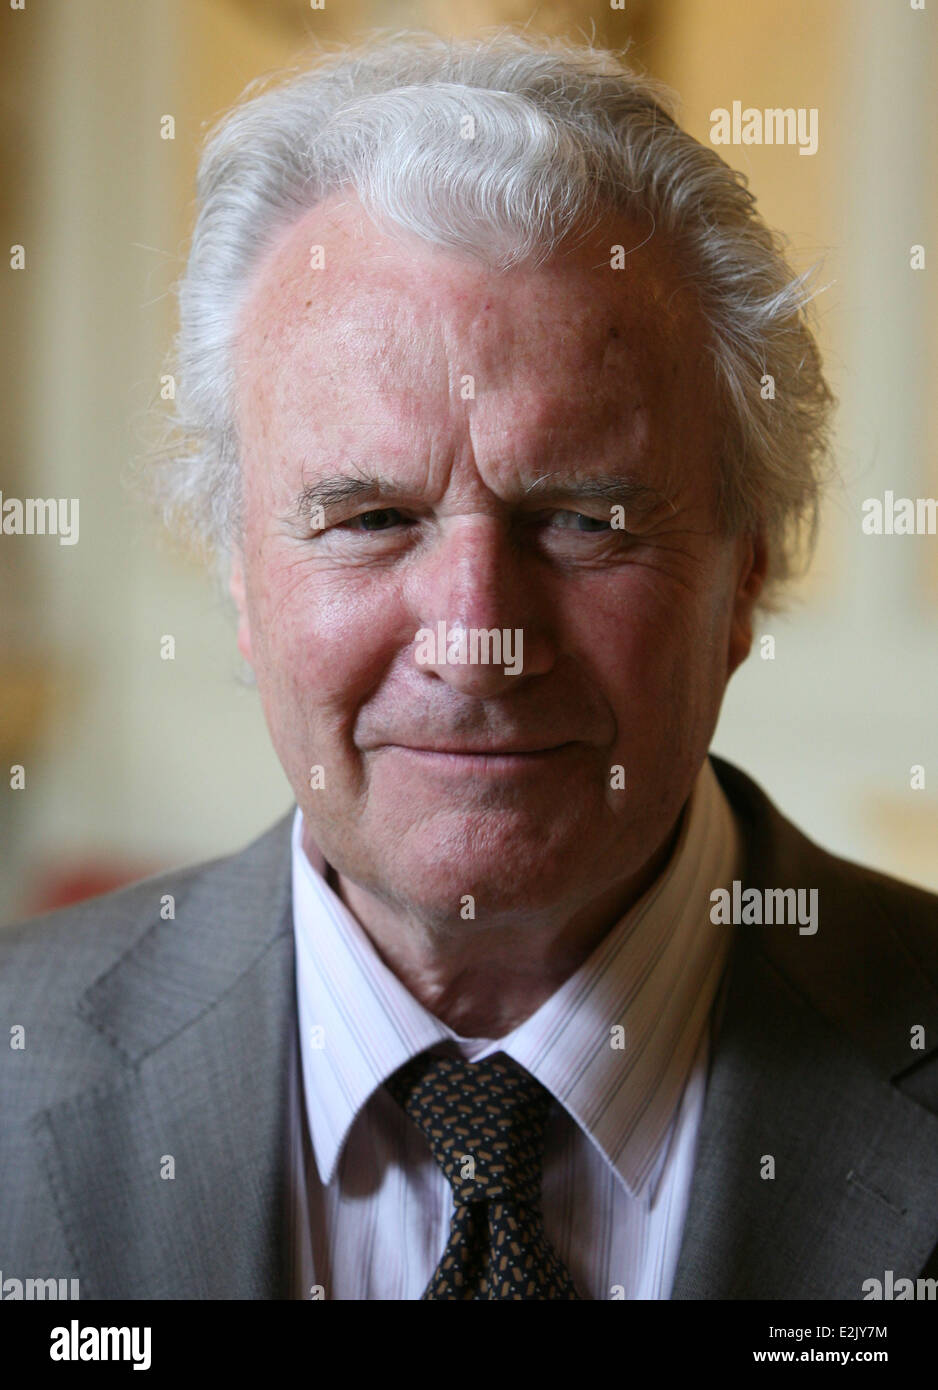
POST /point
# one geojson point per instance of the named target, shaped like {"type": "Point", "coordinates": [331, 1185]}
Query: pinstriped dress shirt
{"type": "Point", "coordinates": [622, 1046]}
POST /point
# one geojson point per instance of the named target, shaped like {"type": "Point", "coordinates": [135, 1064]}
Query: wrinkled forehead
{"type": "Point", "coordinates": [362, 309]}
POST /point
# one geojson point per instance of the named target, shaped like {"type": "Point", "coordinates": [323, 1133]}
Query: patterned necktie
{"type": "Point", "coordinates": [485, 1123]}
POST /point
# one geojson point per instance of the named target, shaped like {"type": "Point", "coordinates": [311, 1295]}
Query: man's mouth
{"type": "Point", "coordinates": [481, 760]}
{"type": "Point", "coordinates": [484, 750]}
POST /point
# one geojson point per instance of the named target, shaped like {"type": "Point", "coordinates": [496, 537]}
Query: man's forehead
{"type": "Point", "coordinates": [399, 352]}
{"type": "Point", "coordinates": [334, 283]}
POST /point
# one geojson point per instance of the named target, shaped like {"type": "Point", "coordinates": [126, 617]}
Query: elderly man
{"type": "Point", "coordinates": [529, 998]}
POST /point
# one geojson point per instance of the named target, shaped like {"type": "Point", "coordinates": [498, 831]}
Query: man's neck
{"type": "Point", "coordinates": [484, 981]}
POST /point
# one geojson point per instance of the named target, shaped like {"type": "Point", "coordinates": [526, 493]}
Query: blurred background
{"type": "Point", "coordinates": [132, 763]}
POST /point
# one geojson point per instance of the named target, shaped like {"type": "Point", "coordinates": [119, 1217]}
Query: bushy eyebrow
{"type": "Point", "coordinates": [613, 488]}
{"type": "Point", "coordinates": [608, 487]}
{"type": "Point", "coordinates": [335, 491]}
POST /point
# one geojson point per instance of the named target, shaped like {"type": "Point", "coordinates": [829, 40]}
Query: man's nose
{"type": "Point", "coordinates": [482, 620]}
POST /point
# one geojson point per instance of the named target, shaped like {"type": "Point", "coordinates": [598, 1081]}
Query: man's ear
{"type": "Point", "coordinates": [750, 576]}
{"type": "Point", "coordinates": [237, 590]}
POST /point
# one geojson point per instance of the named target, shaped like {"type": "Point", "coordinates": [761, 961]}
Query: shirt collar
{"type": "Point", "coordinates": [614, 1044]}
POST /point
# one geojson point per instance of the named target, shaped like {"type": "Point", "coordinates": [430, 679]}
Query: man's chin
{"type": "Point", "coordinates": [465, 866]}
{"type": "Point", "coordinates": [454, 892]}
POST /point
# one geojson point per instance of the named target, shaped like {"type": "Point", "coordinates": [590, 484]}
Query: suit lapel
{"type": "Point", "coordinates": [801, 1087]}
{"type": "Point", "coordinates": [202, 1015]}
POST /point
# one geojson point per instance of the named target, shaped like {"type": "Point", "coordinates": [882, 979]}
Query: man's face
{"type": "Point", "coordinates": [468, 436]}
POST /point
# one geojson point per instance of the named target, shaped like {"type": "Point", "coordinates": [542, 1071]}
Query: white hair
{"type": "Point", "coordinates": [562, 132]}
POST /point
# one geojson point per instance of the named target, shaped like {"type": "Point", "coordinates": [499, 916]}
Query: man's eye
{"type": "Point", "coordinates": [579, 521]}
{"type": "Point", "coordinates": [381, 520]}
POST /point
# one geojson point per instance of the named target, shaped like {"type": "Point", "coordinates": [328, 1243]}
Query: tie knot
{"type": "Point", "coordinates": [485, 1123]}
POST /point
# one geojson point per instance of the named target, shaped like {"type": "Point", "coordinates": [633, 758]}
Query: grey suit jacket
{"type": "Point", "coordinates": [149, 1039]}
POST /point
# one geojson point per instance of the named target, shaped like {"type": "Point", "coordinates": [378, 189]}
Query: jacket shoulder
{"type": "Point", "coordinates": [872, 965]}
{"type": "Point", "coordinates": [48, 962]}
